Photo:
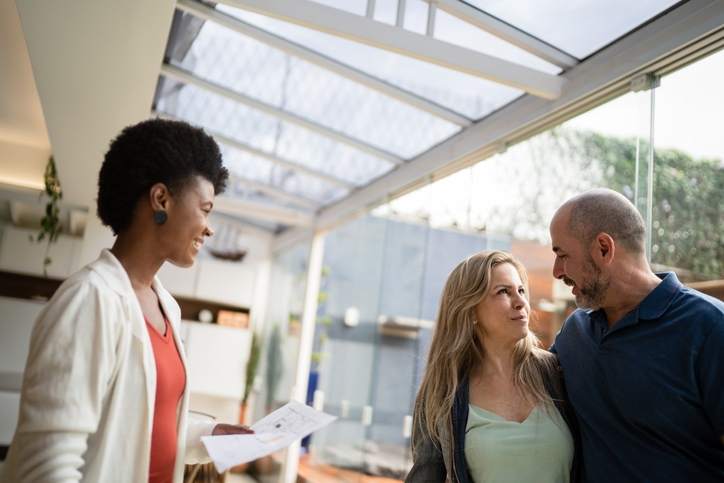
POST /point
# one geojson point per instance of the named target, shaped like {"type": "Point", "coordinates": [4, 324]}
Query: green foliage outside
{"type": "Point", "coordinates": [541, 173]}
{"type": "Point", "coordinates": [688, 202]}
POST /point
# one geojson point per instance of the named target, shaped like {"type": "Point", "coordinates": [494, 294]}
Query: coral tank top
{"type": "Point", "coordinates": [170, 385]}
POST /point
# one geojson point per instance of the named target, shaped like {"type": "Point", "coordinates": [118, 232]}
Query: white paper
{"type": "Point", "coordinates": [275, 431]}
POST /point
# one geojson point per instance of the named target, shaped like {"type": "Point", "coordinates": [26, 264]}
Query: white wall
{"type": "Point", "coordinates": [22, 164]}
{"type": "Point", "coordinates": [95, 65]}
{"type": "Point", "coordinates": [24, 144]}
{"type": "Point", "coordinates": [20, 255]}
{"type": "Point", "coordinates": [16, 324]}
{"type": "Point", "coordinates": [95, 238]}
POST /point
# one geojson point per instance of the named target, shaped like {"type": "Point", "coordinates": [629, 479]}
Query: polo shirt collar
{"type": "Point", "coordinates": [651, 307]}
{"type": "Point", "coordinates": [655, 303]}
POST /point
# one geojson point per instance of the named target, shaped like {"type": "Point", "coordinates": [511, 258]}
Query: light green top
{"type": "Point", "coordinates": [540, 449]}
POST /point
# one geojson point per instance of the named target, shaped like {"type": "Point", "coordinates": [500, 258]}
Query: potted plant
{"type": "Point", "coordinates": [50, 223]}
{"type": "Point", "coordinates": [251, 367]}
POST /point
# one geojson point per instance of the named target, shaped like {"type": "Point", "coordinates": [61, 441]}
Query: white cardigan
{"type": "Point", "coordinates": [87, 402]}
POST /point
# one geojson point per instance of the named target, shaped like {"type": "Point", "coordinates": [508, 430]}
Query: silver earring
{"type": "Point", "coordinates": [475, 322]}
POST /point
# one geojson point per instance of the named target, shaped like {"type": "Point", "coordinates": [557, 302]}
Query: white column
{"type": "Point", "coordinates": [309, 317]}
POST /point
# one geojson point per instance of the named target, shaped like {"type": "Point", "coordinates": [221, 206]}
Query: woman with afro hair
{"type": "Point", "coordinates": [105, 395]}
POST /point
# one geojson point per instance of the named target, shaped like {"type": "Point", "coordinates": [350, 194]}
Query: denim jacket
{"type": "Point", "coordinates": [433, 463]}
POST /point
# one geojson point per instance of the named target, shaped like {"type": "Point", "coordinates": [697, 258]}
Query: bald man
{"type": "Point", "coordinates": [642, 357]}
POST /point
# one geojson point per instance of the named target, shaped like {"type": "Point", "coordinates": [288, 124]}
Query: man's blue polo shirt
{"type": "Point", "coordinates": [649, 392]}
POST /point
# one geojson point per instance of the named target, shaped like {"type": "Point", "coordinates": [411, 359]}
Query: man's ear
{"type": "Point", "coordinates": [603, 249]}
{"type": "Point", "coordinates": [159, 196]}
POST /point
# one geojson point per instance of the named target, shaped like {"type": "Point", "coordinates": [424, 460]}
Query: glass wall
{"type": "Point", "coordinates": [279, 347]}
{"type": "Point", "coordinates": [688, 202]}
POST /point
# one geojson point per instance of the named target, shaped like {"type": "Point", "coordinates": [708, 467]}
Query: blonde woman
{"type": "Point", "coordinates": [491, 407]}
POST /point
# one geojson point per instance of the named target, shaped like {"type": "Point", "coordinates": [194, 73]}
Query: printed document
{"type": "Point", "coordinates": [273, 432]}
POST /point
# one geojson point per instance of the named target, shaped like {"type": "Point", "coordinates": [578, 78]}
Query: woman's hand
{"type": "Point", "coordinates": [222, 429]}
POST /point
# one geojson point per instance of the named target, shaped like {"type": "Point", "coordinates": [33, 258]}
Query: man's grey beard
{"type": "Point", "coordinates": [591, 294]}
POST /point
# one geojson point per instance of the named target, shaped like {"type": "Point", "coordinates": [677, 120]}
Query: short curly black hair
{"type": "Point", "coordinates": [150, 152]}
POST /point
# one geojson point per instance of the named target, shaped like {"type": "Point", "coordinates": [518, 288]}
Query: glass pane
{"type": "Point", "coordinates": [393, 388]}
{"type": "Point", "coordinates": [386, 11]}
{"type": "Point", "coordinates": [351, 281]}
{"type": "Point", "coordinates": [579, 27]}
{"type": "Point", "coordinates": [624, 145]}
{"type": "Point", "coordinates": [416, 16]}
{"type": "Point", "coordinates": [261, 72]}
{"type": "Point", "coordinates": [280, 336]}
{"type": "Point", "coordinates": [254, 168]}
{"type": "Point", "coordinates": [688, 209]}
{"type": "Point", "coordinates": [271, 135]}
{"type": "Point", "coordinates": [248, 193]}
{"type": "Point", "coordinates": [455, 31]}
{"type": "Point", "coordinates": [358, 7]}
{"type": "Point", "coordinates": [466, 94]}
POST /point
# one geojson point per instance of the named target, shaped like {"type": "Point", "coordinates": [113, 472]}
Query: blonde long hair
{"type": "Point", "coordinates": [456, 349]}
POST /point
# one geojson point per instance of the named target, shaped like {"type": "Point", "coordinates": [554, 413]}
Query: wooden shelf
{"type": "Point", "coordinates": [23, 286]}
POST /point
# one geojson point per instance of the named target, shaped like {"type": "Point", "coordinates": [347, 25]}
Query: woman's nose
{"type": "Point", "coordinates": [209, 231]}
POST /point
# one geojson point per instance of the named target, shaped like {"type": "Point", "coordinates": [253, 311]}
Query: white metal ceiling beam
{"type": "Point", "coordinates": [507, 32]}
{"type": "Point", "coordinates": [693, 26]}
{"type": "Point", "coordinates": [262, 211]}
{"type": "Point", "coordinates": [274, 192]}
{"type": "Point", "coordinates": [377, 34]}
{"type": "Point", "coordinates": [189, 78]}
{"type": "Point", "coordinates": [400, 17]}
{"type": "Point", "coordinates": [273, 158]}
{"type": "Point", "coordinates": [205, 12]}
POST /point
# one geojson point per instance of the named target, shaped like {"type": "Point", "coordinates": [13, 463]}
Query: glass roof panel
{"type": "Point", "coordinates": [259, 71]}
{"type": "Point", "coordinates": [416, 16]}
{"type": "Point", "coordinates": [353, 6]}
{"type": "Point", "coordinates": [271, 135]}
{"type": "Point", "coordinates": [455, 31]}
{"type": "Point", "coordinates": [468, 95]}
{"type": "Point", "coordinates": [241, 191]}
{"type": "Point", "coordinates": [386, 11]}
{"type": "Point", "coordinates": [452, 29]}
{"type": "Point", "coordinates": [579, 27]}
{"type": "Point", "coordinates": [255, 168]}
{"type": "Point", "coordinates": [219, 218]}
